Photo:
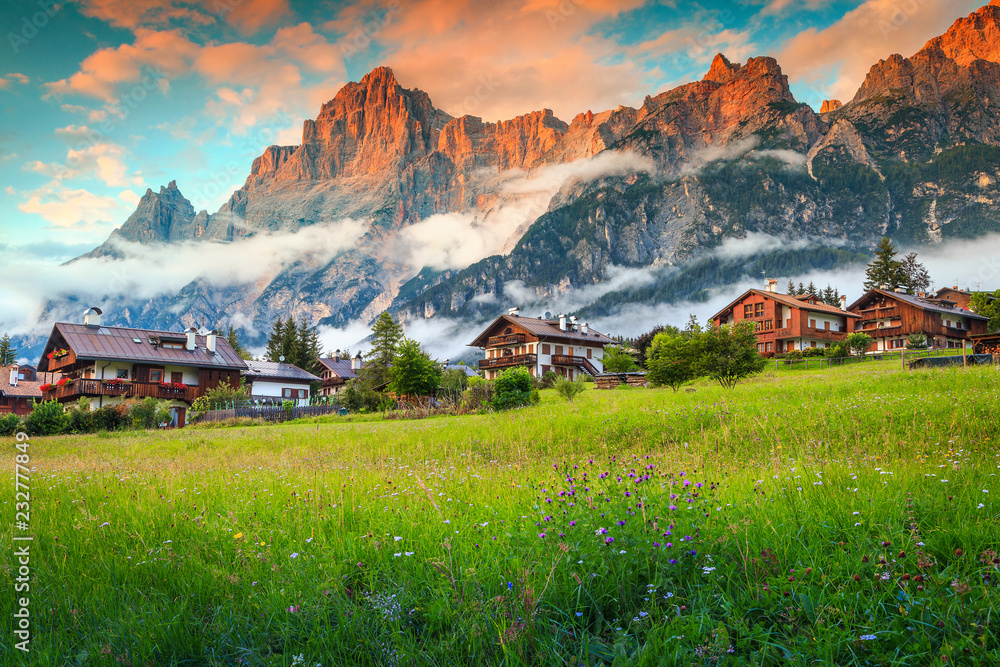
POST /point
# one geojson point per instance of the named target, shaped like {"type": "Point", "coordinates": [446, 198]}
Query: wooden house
{"type": "Point", "coordinates": [785, 323]}
{"type": "Point", "coordinates": [20, 387]}
{"type": "Point", "coordinates": [890, 317]}
{"type": "Point", "coordinates": [108, 365]}
{"type": "Point", "coordinates": [335, 372]}
{"type": "Point", "coordinates": [277, 382]}
{"type": "Point", "coordinates": [563, 346]}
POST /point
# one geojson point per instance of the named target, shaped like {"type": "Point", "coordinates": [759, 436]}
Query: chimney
{"type": "Point", "coordinates": [336, 355]}
{"type": "Point", "coordinates": [572, 323]}
{"type": "Point", "coordinates": [13, 375]}
{"type": "Point", "coordinates": [955, 288]}
{"type": "Point", "coordinates": [771, 285]}
{"type": "Point", "coordinates": [898, 290]}
{"type": "Point", "coordinates": [92, 317]}
{"type": "Point", "coordinates": [586, 327]}
{"type": "Point", "coordinates": [562, 323]}
{"type": "Point", "coordinates": [356, 362]}
{"type": "Point", "coordinates": [883, 287]}
{"type": "Point", "coordinates": [843, 302]}
{"type": "Point", "coordinates": [514, 312]}
{"type": "Point", "coordinates": [191, 338]}
{"type": "Point", "coordinates": [210, 342]}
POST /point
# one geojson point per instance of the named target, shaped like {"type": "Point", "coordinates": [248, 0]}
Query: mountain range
{"type": "Point", "coordinates": [460, 218]}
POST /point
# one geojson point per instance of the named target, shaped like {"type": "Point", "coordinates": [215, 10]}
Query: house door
{"type": "Point", "coordinates": [177, 378]}
{"type": "Point", "coordinates": [791, 346]}
{"type": "Point", "coordinates": [178, 417]}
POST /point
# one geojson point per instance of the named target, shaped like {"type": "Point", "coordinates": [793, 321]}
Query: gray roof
{"type": "Point", "coordinates": [267, 370]}
{"type": "Point", "coordinates": [469, 371]}
{"type": "Point", "coordinates": [341, 366]}
{"type": "Point", "coordinates": [924, 304]}
{"type": "Point", "coordinates": [118, 344]}
{"type": "Point", "coordinates": [544, 330]}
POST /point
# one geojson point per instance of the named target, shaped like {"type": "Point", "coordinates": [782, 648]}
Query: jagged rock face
{"type": "Point", "coordinates": [160, 217]}
{"type": "Point", "coordinates": [830, 105]}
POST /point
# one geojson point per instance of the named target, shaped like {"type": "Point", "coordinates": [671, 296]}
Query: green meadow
{"type": "Point", "coordinates": [840, 516]}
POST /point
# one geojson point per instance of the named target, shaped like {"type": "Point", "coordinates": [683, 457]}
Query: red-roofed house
{"type": "Point", "coordinates": [20, 387]}
{"type": "Point", "coordinates": [785, 323]}
{"type": "Point", "coordinates": [561, 346]}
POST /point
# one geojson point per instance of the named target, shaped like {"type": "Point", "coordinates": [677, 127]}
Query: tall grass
{"type": "Point", "coordinates": [843, 516]}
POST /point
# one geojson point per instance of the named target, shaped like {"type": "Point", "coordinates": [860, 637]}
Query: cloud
{"type": "Point", "coordinates": [152, 270]}
{"type": "Point", "coordinates": [13, 77]}
{"type": "Point", "coordinates": [70, 208]}
{"type": "Point", "coordinates": [498, 60]}
{"type": "Point", "coordinates": [832, 63]}
{"type": "Point", "coordinates": [249, 16]}
{"type": "Point", "coordinates": [103, 161]}
{"type": "Point", "coordinates": [456, 240]}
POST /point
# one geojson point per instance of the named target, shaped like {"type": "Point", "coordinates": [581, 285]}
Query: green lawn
{"type": "Point", "coordinates": [841, 517]}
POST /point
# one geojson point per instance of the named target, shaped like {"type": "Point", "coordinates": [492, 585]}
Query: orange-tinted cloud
{"type": "Point", "coordinates": [873, 31]}
{"type": "Point", "coordinates": [248, 16]}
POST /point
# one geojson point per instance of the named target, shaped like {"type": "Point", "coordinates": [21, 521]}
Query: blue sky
{"type": "Point", "coordinates": [102, 99]}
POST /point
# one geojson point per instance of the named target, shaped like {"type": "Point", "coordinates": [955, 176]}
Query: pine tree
{"type": "Point", "coordinates": [885, 269]}
{"type": "Point", "coordinates": [8, 353]}
{"type": "Point", "coordinates": [801, 290]}
{"type": "Point", "coordinates": [290, 342]}
{"type": "Point", "coordinates": [811, 289]}
{"type": "Point", "coordinates": [308, 348]}
{"type": "Point", "coordinates": [790, 288]}
{"type": "Point", "coordinates": [386, 336]}
{"type": "Point", "coordinates": [827, 296]}
{"type": "Point", "coordinates": [275, 341]}
{"type": "Point", "coordinates": [917, 277]}
{"type": "Point", "coordinates": [233, 339]}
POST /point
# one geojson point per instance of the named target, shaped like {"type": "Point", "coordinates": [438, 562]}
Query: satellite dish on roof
{"type": "Point", "coordinates": [548, 315]}
{"type": "Point", "coordinates": [281, 358]}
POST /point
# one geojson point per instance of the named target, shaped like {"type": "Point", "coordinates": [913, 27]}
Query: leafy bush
{"type": "Point", "coordinates": [47, 418]}
{"type": "Point", "coordinates": [547, 381]}
{"type": "Point", "coordinates": [10, 425]}
{"type": "Point", "coordinates": [512, 389]}
{"type": "Point", "coordinates": [793, 354]}
{"type": "Point", "coordinates": [220, 396]}
{"type": "Point", "coordinates": [110, 418]}
{"type": "Point", "coordinates": [837, 351]}
{"type": "Point", "coordinates": [569, 389]}
{"type": "Point", "coordinates": [859, 343]}
{"type": "Point", "coordinates": [80, 419]}
{"type": "Point", "coordinates": [814, 352]}
{"type": "Point", "coordinates": [617, 360]}
{"type": "Point", "coordinates": [356, 397]}
{"type": "Point", "coordinates": [149, 414]}
{"type": "Point", "coordinates": [916, 341]}
{"type": "Point", "coordinates": [672, 359]}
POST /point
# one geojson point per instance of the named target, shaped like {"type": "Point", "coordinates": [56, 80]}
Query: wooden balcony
{"type": "Point", "coordinates": [884, 332]}
{"type": "Point", "coordinates": [809, 332]}
{"type": "Point", "coordinates": [952, 332]}
{"type": "Point", "coordinates": [510, 339]}
{"type": "Point", "coordinates": [578, 362]}
{"type": "Point", "coordinates": [57, 364]}
{"type": "Point", "coordinates": [508, 361]}
{"type": "Point", "coordinates": [92, 388]}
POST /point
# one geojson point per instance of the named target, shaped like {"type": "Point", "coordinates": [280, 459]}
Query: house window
{"type": "Point", "coordinates": [828, 346]}
{"type": "Point", "coordinates": [122, 374]}
{"type": "Point", "coordinates": [546, 369]}
{"type": "Point", "coordinates": [588, 353]}
{"type": "Point", "coordinates": [747, 311]}
{"type": "Point", "coordinates": [826, 325]}
{"type": "Point", "coordinates": [769, 347]}
{"type": "Point", "coordinates": [156, 375]}
{"type": "Point", "coordinates": [546, 349]}
{"type": "Point", "coordinates": [812, 324]}
{"type": "Point", "coordinates": [759, 310]}
{"type": "Point", "coordinates": [812, 344]}
{"type": "Point", "coordinates": [559, 349]}
{"type": "Point", "coordinates": [172, 346]}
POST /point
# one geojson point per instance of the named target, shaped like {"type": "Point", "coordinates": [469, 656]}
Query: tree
{"type": "Point", "coordinates": [811, 289]}
{"type": "Point", "coordinates": [729, 353]}
{"type": "Point", "coordinates": [512, 389]}
{"type": "Point", "coordinates": [801, 290]}
{"type": "Point", "coordinates": [386, 335]}
{"type": "Point", "coordinates": [916, 341]}
{"type": "Point", "coordinates": [673, 360]}
{"type": "Point", "coordinates": [885, 269]}
{"type": "Point", "coordinates": [917, 277]}
{"type": "Point", "coordinates": [617, 360]}
{"type": "Point", "coordinates": [233, 339]}
{"type": "Point", "coordinates": [413, 372]}
{"type": "Point", "coordinates": [987, 305]}
{"type": "Point", "coordinates": [275, 341]}
{"type": "Point", "coordinates": [790, 288]}
{"type": "Point", "coordinates": [859, 343]}
{"type": "Point", "coordinates": [8, 353]}
{"type": "Point", "coordinates": [46, 418]}
{"type": "Point", "coordinates": [641, 343]}
{"type": "Point", "coordinates": [692, 328]}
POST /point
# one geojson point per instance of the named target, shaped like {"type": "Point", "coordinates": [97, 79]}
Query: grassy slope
{"type": "Point", "coordinates": [804, 477]}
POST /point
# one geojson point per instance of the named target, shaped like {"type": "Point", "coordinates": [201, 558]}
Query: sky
{"type": "Point", "coordinates": [102, 99]}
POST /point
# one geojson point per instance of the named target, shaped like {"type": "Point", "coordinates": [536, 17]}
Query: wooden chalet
{"type": "Point", "coordinates": [890, 317]}
{"type": "Point", "coordinates": [562, 346]}
{"type": "Point", "coordinates": [785, 323]}
{"type": "Point", "coordinates": [20, 387]}
{"type": "Point", "coordinates": [110, 364]}
{"type": "Point", "coordinates": [335, 372]}
{"type": "Point", "coordinates": [277, 382]}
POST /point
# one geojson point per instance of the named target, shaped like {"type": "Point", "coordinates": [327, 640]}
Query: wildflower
{"type": "Point", "coordinates": [609, 540]}
{"type": "Point", "coordinates": [867, 638]}
{"type": "Point", "coordinates": [294, 608]}
{"type": "Point", "coordinates": [541, 536]}
{"type": "Point", "coordinates": [579, 614]}
{"type": "Point", "coordinates": [294, 555]}
{"type": "Point", "coordinates": [309, 540]}
{"type": "Point", "coordinates": [396, 539]}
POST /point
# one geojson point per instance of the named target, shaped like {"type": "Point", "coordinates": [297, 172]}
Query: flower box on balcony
{"type": "Point", "coordinates": [58, 354]}
{"type": "Point", "coordinates": [64, 382]}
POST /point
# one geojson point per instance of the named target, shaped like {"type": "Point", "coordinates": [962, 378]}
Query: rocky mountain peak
{"type": "Point", "coordinates": [830, 105]}
{"type": "Point", "coordinates": [971, 38]}
{"type": "Point", "coordinates": [722, 70]}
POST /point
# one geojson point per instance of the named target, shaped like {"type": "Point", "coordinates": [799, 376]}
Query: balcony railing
{"type": "Point", "coordinates": [952, 332]}
{"type": "Point", "coordinates": [809, 332]}
{"type": "Point", "coordinates": [509, 360]}
{"type": "Point", "coordinates": [572, 360]}
{"type": "Point", "coordinates": [81, 388]}
{"type": "Point", "coordinates": [509, 339]}
{"type": "Point", "coordinates": [884, 332]}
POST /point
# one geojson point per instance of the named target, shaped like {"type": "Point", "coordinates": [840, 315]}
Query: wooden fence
{"type": "Point", "coordinates": [269, 413]}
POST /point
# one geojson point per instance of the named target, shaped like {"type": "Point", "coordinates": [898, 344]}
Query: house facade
{"type": "Point", "coordinates": [336, 371]}
{"type": "Point", "coordinates": [20, 387]}
{"type": "Point", "coordinates": [273, 382]}
{"type": "Point", "coordinates": [891, 317]}
{"type": "Point", "coordinates": [785, 323]}
{"type": "Point", "coordinates": [108, 365]}
{"type": "Point", "coordinates": [562, 346]}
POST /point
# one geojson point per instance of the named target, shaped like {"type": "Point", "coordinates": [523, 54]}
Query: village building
{"type": "Point", "coordinates": [277, 382]}
{"type": "Point", "coordinates": [20, 387]}
{"type": "Point", "coordinates": [890, 317]}
{"type": "Point", "coordinates": [785, 323]}
{"type": "Point", "coordinates": [959, 297]}
{"type": "Point", "coordinates": [335, 372]}
{"type": "Point", "coordinates": [108, 365]}
{"type": "Point", "coordinates": [562, 346]}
